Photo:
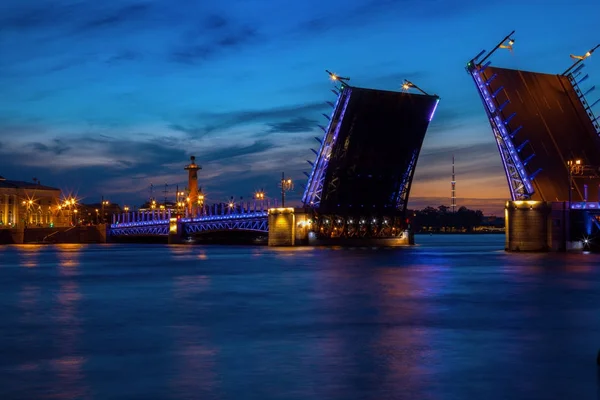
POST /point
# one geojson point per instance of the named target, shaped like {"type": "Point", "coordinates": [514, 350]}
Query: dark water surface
{"type": "Point", "coordinates": [453, 318]}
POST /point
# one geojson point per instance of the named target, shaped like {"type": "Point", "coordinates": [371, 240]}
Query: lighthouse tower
{"type": "Point", "coordinates": [192, 201]}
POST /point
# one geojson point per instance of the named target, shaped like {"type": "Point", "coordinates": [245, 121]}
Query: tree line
{"type": "Point", "coordinates": [442, 219]}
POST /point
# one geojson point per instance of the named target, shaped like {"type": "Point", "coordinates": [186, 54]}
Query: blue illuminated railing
{"type": "Point", "coordinates": [253, 220]}
{"type": "Point", "coordinates": [582, 205]}
{"type": "Point", "coordinates": [314, 188]}
{"type": "Point", "coordinates": [519, 180]}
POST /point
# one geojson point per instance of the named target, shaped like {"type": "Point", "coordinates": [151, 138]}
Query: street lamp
{"type": "Point", "coordinates": [575, 168]}
{"type": "Point", "coordinates": [406, 85]}
{"type": "Point", "coordinates": [105, 203]}
{"type": "Point", "coordinates": [201, 202]}
{"type": "Point", "coordinates": [260, 195]}
{"type": "Point", "coordinates": [579, 59]}
{"type": "Point", "coordinates": [286, 185]}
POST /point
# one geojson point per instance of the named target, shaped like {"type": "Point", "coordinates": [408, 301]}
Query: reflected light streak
{"type": "Point", "coordinates": [69, 367]}
{"type": "Point", "coordinates": [30, 254]}
{"type": "Point", "coordinates": [68, 259]}
{"type": "Point", "coordinates": [28, 304]}
{"type": "Point", "coordinates": [195, 359]}
{"type": "Point", "coordinates": [404, 349]}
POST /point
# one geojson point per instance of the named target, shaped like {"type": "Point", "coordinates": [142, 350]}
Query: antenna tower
{"type": "Point", "coordinates": [453, 188]}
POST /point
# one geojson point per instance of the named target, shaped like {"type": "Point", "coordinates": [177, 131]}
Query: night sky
{"type": "Point", "coordinates": [103, 98]}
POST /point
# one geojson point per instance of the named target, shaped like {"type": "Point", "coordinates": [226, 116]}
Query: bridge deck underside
{"type": "Point", "coordinates": [380, 135]}
{"type": "Point", "coordinates": [556, 125]}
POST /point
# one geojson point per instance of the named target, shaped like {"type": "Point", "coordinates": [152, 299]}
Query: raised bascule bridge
{"type": "Point", "coordinates": [360, 181]}
{"type": "Point", "coordinates": [548, 140]}
{"type": "Point", "coordinates": [357, 191]}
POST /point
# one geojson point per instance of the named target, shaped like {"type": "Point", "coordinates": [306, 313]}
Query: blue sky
{"type": "Point", "coordinates": [105, 98]}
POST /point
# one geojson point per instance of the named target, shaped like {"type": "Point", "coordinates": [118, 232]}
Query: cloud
{"type": "Point", "coordinates": [189, 52]}
{"type": "Point", "coordinates": [125, 55]}
{"type": "Point", "coordinates": [113, 17]}
{"type": "Point", "coordinates": [362, 13]}
{"type": "Point", "coordinates": [80, 16]}
{"type": "Point", "coordinates": [192, 131]}
{"type": "Point", "coordinates": [478, 160]}
{"type": "Point", "coordinates": [57, 147]}
{"type": "Point", "coordinates": [297, 124]}
{"type": "Point", "coordinates": [221, 121]}
{"type": "Point", "coordinates": [227, 153]}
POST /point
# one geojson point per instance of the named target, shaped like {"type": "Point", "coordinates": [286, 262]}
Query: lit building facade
{"type": "Point", "coordinates": [29, 204]}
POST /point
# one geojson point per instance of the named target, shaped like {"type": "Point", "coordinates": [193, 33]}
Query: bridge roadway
{"type": "Point", "coordinates": [159, 223]}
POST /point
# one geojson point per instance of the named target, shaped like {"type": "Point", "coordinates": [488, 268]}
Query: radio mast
{"type": "Point", "coordinates": [453, 188]}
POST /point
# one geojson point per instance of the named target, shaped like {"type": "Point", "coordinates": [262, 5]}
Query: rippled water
{"type": "Point", "coordinates": [453, 318]}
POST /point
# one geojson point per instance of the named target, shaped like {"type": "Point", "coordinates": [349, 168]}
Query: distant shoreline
{"type": "Point", "coordinates": [461, 233]}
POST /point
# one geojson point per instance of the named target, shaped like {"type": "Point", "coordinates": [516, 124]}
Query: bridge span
{"type": "Point", "coordinates": [358, 188]}
{"type": "Point", "coordinates": [247, 217]}
{"type": "Point", "coordinates": [548, 139]}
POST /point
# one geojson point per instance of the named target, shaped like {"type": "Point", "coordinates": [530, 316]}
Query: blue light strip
{"type": "Point", "coordinates": [314, 188]}
{"type": "Point", "coordinates": [585, 206]}
{"type": "Point", "coordinates": [434, 108]}
{"type": "Point", "coordinates": [205, 218]}
{"type": "Point", "coordinates": [311, 186]}
{"type": "Point", "coordinates": [519, 182]}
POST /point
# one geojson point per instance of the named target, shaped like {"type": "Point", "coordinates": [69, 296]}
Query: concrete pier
{"type": "Point", "coordinates": [548, 226]}
{"type": "Point", "coordinates": [288, 226]}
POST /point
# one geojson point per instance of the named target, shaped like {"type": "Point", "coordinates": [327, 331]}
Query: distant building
{"type": "Point", "coordinates": [97, 213]}
{"type": "Point", "coordinates": [29, 204]}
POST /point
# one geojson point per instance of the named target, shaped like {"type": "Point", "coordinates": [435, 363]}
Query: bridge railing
{"type": "Point", "coordinates": [215, 212]}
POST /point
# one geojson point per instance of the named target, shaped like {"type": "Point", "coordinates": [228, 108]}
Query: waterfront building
{"type": "Point", "coordinates": [29, 204]}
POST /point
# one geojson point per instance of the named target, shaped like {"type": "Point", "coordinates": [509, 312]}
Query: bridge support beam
{"type": "Point", "coordinates": [176, 231]}
{"type": "Point", "coordinates": [528, 225]}
{"type": "Point", "coordinates": [288, 226]}
{"type": "Point", "coordinates": [551, 226]}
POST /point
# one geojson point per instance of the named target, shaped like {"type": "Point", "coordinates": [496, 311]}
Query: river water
{"type": "Point", "coordinates": [452, 318]}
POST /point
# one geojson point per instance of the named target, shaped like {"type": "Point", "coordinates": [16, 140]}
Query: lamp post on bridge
{"type": "Point", "coordinates": [286, 185]}
{"type": "Point", "coordinates": [201, 202]}
{"type": "Point", "coordinates": [105, 203]}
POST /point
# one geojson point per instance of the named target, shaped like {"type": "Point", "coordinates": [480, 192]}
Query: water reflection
{"type": "Point", "coordinates": [195, 375]}
{"type": "Point", "coordinates": [69, 364]}
{"type": "Point", "coordinates": [250, 323]}
{"type": "Point", "coordinates": [30, 255]}
{"type": "Point", "coordinates": [29, 296]}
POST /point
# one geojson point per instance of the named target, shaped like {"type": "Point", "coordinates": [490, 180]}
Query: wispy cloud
{"type": "Point", "coordinates": [297, 124]}
{"type": "Point", "coordinates": [111, 94]}
{"type": "Point", "coordinates": [288, 117]}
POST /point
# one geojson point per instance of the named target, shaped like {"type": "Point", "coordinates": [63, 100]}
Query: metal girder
{"type": "Point", "coordinates": [402, 198]}
{"type": "Point", "coordinates": [519, 181]}
{"type": "Point", "coordinates": [248, 221]}
{"type": "Point", "coordinates": [141, 230]}
{"type": "Point", "coordinates": [314, 188]}
{"type": "Point", "coordinates": [584, 103]}
{"type": "Point", "coordinates": [256, 224]}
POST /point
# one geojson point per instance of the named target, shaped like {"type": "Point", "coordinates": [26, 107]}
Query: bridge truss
{"type": "Point", "coordinates": [253, 221]}
{"type": "Point", "coordinates": [519, 181]}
